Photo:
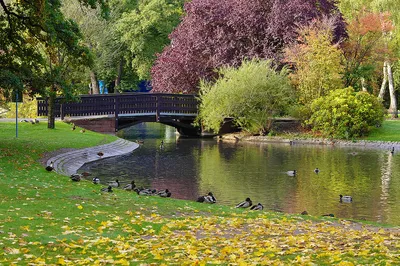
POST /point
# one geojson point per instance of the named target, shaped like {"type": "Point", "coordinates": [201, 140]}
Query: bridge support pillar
{"type": "Point", "coordinates": [101, 125]}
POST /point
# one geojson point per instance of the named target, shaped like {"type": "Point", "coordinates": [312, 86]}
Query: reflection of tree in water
{"type": "Point", "coordinates": [234, 171]}
{"type": "Point", "coordinates": [386, 174]}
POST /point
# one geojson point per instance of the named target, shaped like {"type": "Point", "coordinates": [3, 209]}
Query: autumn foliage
{"type": "Point", "coordinates": [316, 61]}
{"type": "Point", "coordinates": [218, 33]}
{"type": "Point", "coordinates": [365, 48]}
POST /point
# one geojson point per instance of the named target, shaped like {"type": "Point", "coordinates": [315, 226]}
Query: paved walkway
{"type": "Point", "coordinates": [68, 163]}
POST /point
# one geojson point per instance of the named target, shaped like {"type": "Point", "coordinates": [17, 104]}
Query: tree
{"type": "Point", "coordinates": [252, 95]}
{"type": "Point", "coordinates": [317, 61]}
{"type": "Point", "coordinates": [364, 49]}
{"type": "Point", "coordinates": [103, 40]}
{"type": "Point", "coordinates": [391, 39]}
{"type": "Point", "coordinates": [145, 29]}
{"type": "Point", "coordinates": [344, 113]}
{"type": "Point", "coordinates": [217, 33]}
{"type": "Point", "coordinates": [32, 30]}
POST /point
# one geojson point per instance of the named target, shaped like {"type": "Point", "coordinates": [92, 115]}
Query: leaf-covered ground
{"type": "Point", "coordinates": [46, 219]}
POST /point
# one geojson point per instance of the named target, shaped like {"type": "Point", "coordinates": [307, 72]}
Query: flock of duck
{"type": "Point", "coordinates": [131, 186]}
{"type": "Point", "coordinates": [209, 198]}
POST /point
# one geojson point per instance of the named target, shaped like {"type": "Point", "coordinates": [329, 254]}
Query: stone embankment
{"type": "Point", "coordinates": [294, 141]}
{"type": "Point", "coordinates": [68, 163]}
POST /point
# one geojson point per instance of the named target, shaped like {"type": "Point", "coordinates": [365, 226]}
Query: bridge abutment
{"type": "Point", "coordinates": [101, 125]}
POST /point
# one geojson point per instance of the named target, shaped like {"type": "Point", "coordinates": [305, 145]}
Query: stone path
{"type": "Point", "coordinates": [68, 163]}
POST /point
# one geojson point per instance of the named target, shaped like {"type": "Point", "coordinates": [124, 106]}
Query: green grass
{"type": "Point", "coordinates": [389, 131]}
{"type": "Point", "coordinates": [47, 219]}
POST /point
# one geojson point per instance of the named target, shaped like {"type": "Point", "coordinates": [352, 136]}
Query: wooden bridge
{"type": "Point", "coordinates": [127, 109]}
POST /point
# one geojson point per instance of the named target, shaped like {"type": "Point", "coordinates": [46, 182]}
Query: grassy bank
{"type": "Point", "coordinates": [47, 219]}
{"type": "Point", "coordinates": [389, 131]}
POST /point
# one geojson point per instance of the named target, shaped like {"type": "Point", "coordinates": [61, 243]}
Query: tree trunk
{"type": "Point", "coordinates": [393, 101]}
{"type": "Point", "coordinates": [384, 81]}
{"type": "Point", "coordinates": [362, 80]}
{"type": "Point", "coordinates": [51, 104]}
{"type": "Point", "coordinates": [95, 86]}
{"type": "Point", "coordinates": [119, 77]}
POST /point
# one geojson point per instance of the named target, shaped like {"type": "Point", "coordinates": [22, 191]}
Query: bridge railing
{"type": "Point", "coordinates": [123, 104]}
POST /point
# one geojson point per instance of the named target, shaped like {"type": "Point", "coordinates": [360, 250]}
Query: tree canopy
{"type": "Point", "coordinates": [217, 33]}
{"type": "Point", "coordinates": [144, 31]}
{"type": "Point", "coordinates": [39, 47]}
{"type": "Point", "coordinates": [317, 61]}
{"type": "Point", "coordinates": [27, 29]}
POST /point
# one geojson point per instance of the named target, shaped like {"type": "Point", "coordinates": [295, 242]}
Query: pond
{"type": "Point", "coordinates": [233, 171]}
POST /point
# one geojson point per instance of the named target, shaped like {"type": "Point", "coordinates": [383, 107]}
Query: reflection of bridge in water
{"type": "Point", "coordinates": [127, 109]}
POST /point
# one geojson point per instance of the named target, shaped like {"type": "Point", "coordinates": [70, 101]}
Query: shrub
{"type": "Point", "coordinates": [252, 95]}
{"type": "Point", "coordinates": [26, 109]}
{"type": "Point", "coordinates": [344, 113]}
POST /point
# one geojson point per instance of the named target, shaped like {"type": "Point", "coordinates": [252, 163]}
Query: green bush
{"type": "Point", "coordinates": [252, 95]}
{"type": "Point", "coordinates": [345, 113]}
{"type": "Point", "coordinates": [26, 109]}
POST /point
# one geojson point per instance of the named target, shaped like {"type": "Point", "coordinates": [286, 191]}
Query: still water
{"type": "Point", "coordinates": [234, 171]}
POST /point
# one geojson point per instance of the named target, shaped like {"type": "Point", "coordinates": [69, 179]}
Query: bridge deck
{"type": "Point", "coordinates": [178, 110]}
{"type": "Point", "coordinates": [126, 104]}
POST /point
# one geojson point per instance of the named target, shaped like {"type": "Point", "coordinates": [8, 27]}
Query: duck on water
{"type": "Point", "coordinates": [345, 199]}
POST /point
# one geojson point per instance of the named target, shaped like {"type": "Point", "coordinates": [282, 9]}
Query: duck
{"type": "Point", "coordinates": [76, 177]}
{"type": "Point", "coordinates": [82, 130]}
{"type": "Point", "coordinates": [209, 198]}
{"type": "Point", "coordinates": [107, 189]}
{"type": "Point", "coordinates": [291, 173]}
{"type": "Point", "coordinates": [130, 186]}
{"type": "Point", "coordinates": [245, 204]}
{"type": "Point", "coordinates": [50, 167]}
{"type": "Point", "coordinates": [100, 154]}
{"type": "Point", "coordinates": [96, 180]}
{"type": "Point", "coordinates": [316, 170]}
{"type": "Point", "coordinates": [257, 207]}
{"type": "Point", "coordinates": [328, 215]}
{"type": "Point", "coordinates": [346, 199]}
{"type": "Point", "coordinates": [392, 151]}
{"type": "Point", "coordinates": [73, 127]}
{"type": "Point", "coordinates": [145, 191]}
{"type": "Point", "coordinates": [114, 183]}
{"type": "Point", "coordinates": [37, 121]}
{"type": "Point", "coordinates": [304, 213]}
{"type": "Point", "coordinates": [164, 193]}
{"type": "Point", "coordinates": [32, 121]}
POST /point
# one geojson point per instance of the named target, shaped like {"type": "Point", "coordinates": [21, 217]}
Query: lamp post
{"type": "Point", "coordinates": [16, 113]}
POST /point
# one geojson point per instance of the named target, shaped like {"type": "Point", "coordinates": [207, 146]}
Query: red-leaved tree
{"type": "Point", "coordinates": [224, 32]}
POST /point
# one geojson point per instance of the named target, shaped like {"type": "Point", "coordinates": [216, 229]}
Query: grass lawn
{"type": "Point", "coordinates": [46, 219]}
{"type": "Point", "coordinates": [389, 131]}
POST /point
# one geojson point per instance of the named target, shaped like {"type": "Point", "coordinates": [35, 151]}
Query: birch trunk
{"type": "Point", "coordinates": [93, 80]}
{"type": "Point", "coordinates": [363, 84]}
{"type": "Point", "coordinates": [384, 81]}
{"type": "Point", "coordinates": [393, 101]}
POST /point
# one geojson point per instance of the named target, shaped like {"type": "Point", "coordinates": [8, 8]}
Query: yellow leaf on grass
{"type": "Point", "coordinates": [12, 250]}
{"type": "Point", "coordinates": [345, 263]}
{"type": "Point", "coordinates": [61, 261]}
{"type": "Point", "coordinates": [121, 262]}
